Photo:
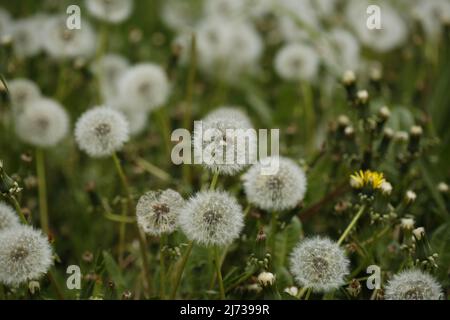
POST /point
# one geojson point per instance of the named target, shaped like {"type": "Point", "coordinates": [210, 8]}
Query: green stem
{"type": "Point", "coordinates": [308, 293]}
{"type": "Point", "coordinates": [351, 225]}
{"type": "Point", "coordinates": [19, 210]}
{"type": "Point", "coordinates": [217, 262]}
{"type": "Point", "coordinates": [302, 292]}
{"type": "Point", "coordinates": [214, 180]}
{"type": "Point", "coordinates": [141, 235]}
{"type": "Point", "coordinates": [122, 233]}
{"type": "Point", "coordinates": [164, 126]}
{"type": "Point", "coordinates": [42, 190]}
{"type": "Point", "coordinates": [180, 270]}
{"type": "Point", "coordinates": [273, 232]}
{"type": "Point", "coordinates": [162, 267]}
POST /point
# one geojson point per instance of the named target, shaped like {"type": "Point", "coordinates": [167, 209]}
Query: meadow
{"type": "Point", "coordinates": [93, 95]}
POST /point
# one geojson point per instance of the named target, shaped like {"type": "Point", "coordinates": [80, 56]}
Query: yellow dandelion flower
{"type": "Point", "coordinates": [367, 178]}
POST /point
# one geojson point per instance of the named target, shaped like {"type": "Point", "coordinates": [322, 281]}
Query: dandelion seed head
{"type": "Point", "coordinates": [114, 11]}
{"type": "Point", "coordinates": [22, 92]}
{"type": "Point", "coordinates": [145, 85]}
{"type": "Point", "coordinates": [319, 263]}
{"type": "Point", "coordinates": [60, 42]}
{"type": "Point", "coordinates": [8, 217]}
{"type": "Point", "coordinates": [282, 190]}
{"type": "Point", "coordinates": [212, 218]}
{"type": "Point", "coordinates": [297, 62]}
{"type": "Point", "coordinates": [101, 131]}
{"type": "Point", "coordinates": [158, 211]}
{"type": "Point", "coordinates": [5, 22]}
{"type": "Point", "coordinates": [26, 37]}
{"type": "Point", "coordinates": [110, 68]}
{"type": "Point", "coordinates": [44, 123]}
{"type": "Point", "coordinates": [136, 117]}
{"type": "Point", "coordinates": [230, 126]}
{"type": "Point", "coordinates": [25, 254]}
{"type": "Point", "coordinates": [413, 284]}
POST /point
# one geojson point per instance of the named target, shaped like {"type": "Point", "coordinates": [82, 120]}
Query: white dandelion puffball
{"type": "Point", "coordinates": [22, 92]}
{"type": "Point", "coordinates": [301, 10]}
{"type": "Point", "coordinates": [212, 218]}
{"type": "Point", "coordinates": [226, 140]}
{"type": "Point", "coordinates": [281, 189]}
{"type": "Point", "coordinates": [320, 264]}
{"type": "Point", "coordinates": [158, 211]}
{"type": "Point", "coordinates": [60, 42]}
{"type": "Point", "coordinates": [5, 22]}
{"type": "Point", "coordinates": [392, 34]}
{"type": "Point", "coordinates": [43, 123]}
{"type": "Point", "coordinates": [101, 131]}
{"type": "Point", "coordinates": [110, 68]}
{"type": "Point", "coordinates": [26, 37]}
{"type": "Point", "coordinates": [432, 14]}
{"type": "Point", "coordinates": [136, 117]}
{"type": "Point", "coordinates": [114, 11]}
{"type": "Point", "coordinates": [145, 85]}
{"type": "Point", "coordinates": [8, 217]}
{"type": "Point", "coordinates": [25, 254]}
{"type": "Point", "coordinates": [413, 284]}
{"type": "Point", "coordinates": [179, 15]}
{"type": "Point", "coordinates": [340, 50]}
{"type": "Point", "coordinates": [224, 9]}
{"type": "Point", "coordinates": [297, 62]}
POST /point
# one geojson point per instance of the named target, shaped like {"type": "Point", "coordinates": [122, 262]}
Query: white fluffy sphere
{"type": "Point", "coordinates": [157, 211]}
{"type": "Point", "coordinates": [114, 11]}
{"type": "Point", "coordinates": [212, 218]}
{"type": "Point", "coordinates": [281, 190]}
{"type": "Point", "coordinates": [319, 264]}
{"type": "Point", "coordinates": [297, 62]}
{"type": "Point", "coordinates": [413, 284]}
{"type": "Point", "coordinates": [145, 85]}
{"type": "Point", "coordinates": [8, 217]}
{"type": "Point", "coordinates": [101, 131]}
{"type": "Point", "coordinates": [22, 92]}
{"type": "Point", "coordinates": [25, 254]}
{"type": "Point", "coordinates": [43, 123]}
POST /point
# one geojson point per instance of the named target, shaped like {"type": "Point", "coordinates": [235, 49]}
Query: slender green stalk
{"type": "Point", "coordinates": [141, 235]}
{"type": "Point", "coordinates": [180, 270]}
{"type": "Point", "coordinates": [308, 293]}
{"type": "Point", "coordinates": [217, 263]}
{"type": "Point", "coordinates": [164, 125]}
{"type": "Point", "coordinates": [19, 210]}
{"type": "Point", "coordinates": [214, 180]}
{"type": "Point", "coordinates": [162, 267]}
{"type": "Point", "coordinates": [42, 190]}
{"type": "Point", "coordinates": [122, 233]}
{"type": "Point", "coordinates": [273, 231]}
{"type": "Point", "coordinates": [351, 225]}
{"type": "Point", "coordinates": [2, 292]}
{"type": "Point", "coordinates": [302, 292]}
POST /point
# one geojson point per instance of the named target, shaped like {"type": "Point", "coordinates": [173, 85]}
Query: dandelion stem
{"type": "Point", "coordinates": [164, 126]}
{"type": "Point", "coordinates": [308, 293]}
{"type": "Point", "coordinates": [19, 210]}
{"type": "Point", "coordinates": [214, 181]}
{"type": "Point", "coordinates": [122, 233]}
{"type": "Point", "coordinates": [217, 262]}
{"type": "Point", "coordinates": [42, 190]}
{"type": "Point", "coordinates": [302, 292]}
{"type": "Point", "coordinates": [351, 225]}
{"type": "Point", "coordinates": [141, 236]}
{"type": "Point", "coordinates": [273, 231]}
{"type": "Point", "coordinates": [180, 270]}
{"type": "Point", "coordinates": [162, 267]}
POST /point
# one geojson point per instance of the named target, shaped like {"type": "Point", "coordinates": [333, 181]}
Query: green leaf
{"type": "Point", "coordinates": [286, 240]}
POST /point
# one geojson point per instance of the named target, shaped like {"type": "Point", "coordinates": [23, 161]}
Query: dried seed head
{"type": "Point", "coordinates": [113, 11]}
{"type": "Point", "coordinates": [413, 284]}
{"type": "Point", "coordinates": [8, 217]}
{"type": "Point", "coordinates": [266, 279]}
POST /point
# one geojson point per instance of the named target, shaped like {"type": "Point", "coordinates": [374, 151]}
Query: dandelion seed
{"type": "Point", "coordinates": [230, 140]}
{"type": "Point", "coordinates": [145, 85]}
{"type": "Point", "coordinates": [44, 123]}
{"type": "Point", "coordinates": [212, 218]}
{"type": "Point", "coordinates": [25, 254]}
{"type": "Point", "coordinates": [22, 92]}
{"type": "Point", "coordinates": [101, 131]}
{"type": "Point", "coordinates": [114, 11]}
{"type": "Point", "coordinates": [282, 190]}
{"type": "Point", "coordinates": [8, 217]}
{"type": "Point", "coordinates": [413, 284]}
{"type": "Point", "coordinates": [297, 62]}
{"type": "Point", "coordinates": [320, 264]}
{"type": "Point", "coordinates": [158, 211]}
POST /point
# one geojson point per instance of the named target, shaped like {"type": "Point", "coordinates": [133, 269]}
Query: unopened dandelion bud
{"type": "Point", "coordinates": [349, 131]}
{"type": "Point", "coordinates": [362, 97]}
{"type": "Point", "coordinates": [401, 136]}
{"type": "Point", "coordinates": [266, 279]}
{"type": "Point", "coordinates": [443, 187]}
{"type": "Point", "coordinates": [410, 196]}
{"type": "Point", "coordinates": [388, 134]}
{"type": "Point", "coordinates": [349, 82]}
{"type": "Point", "coordinates": [386, 188]}
{"type": "Point", "coordinates": [293, 291]}
{"type": "Point", "coordinates": [419, 233]}
{"type": "Point", "coordinates": [384, 113]}
{"type": "Point", "coordinates": [416, 133]}
{"type": "Point", "coordinates": [407, 223]}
